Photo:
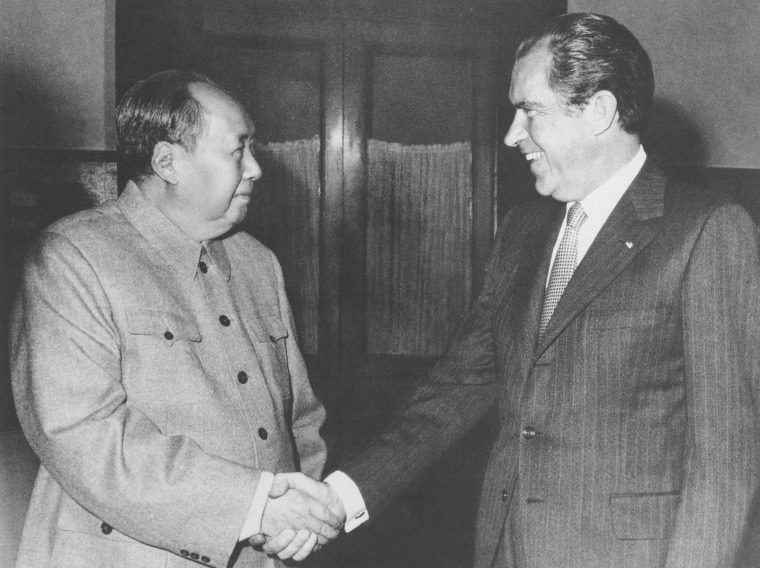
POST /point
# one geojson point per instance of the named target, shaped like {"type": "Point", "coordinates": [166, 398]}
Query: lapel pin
{"type": "Point", "coordinates": [629, 244]}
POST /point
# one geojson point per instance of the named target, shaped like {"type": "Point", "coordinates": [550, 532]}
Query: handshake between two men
{"type": "Point", "coordinates": [301, 515]}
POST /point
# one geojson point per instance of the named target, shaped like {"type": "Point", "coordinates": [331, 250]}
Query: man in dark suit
{"type": "Point", "coordinates": [617, 332]}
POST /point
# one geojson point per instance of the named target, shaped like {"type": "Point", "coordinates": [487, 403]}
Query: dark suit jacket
{"type": "Point", "coordinates": [629, 432]}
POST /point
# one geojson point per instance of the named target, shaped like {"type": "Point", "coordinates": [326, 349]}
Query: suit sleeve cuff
{"type": "Point", "coordinates": [252, 524]}
{"type": "Point", "coordinates": [353, 503]}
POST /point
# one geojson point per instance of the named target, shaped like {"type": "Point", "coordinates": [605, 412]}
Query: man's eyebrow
{"type": "Point", "coordinates": [528, 105]}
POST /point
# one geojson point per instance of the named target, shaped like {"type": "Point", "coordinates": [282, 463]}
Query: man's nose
{"type": "Point", "coordinates": [252, 169]}
{"type": "Point", "coordinates": [516, 132]}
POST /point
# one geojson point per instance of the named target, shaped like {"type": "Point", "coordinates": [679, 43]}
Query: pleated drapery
{"type": "Point", "coordinates": [419, 219]}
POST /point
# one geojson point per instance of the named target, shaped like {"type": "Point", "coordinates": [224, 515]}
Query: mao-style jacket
{"type": "Point", "coordinates": [155, 379]}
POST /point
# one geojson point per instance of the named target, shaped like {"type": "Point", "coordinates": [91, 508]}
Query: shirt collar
{"type": "Point", "coordinates": [179, 250]}
{"type": "Point", "coordinates": [600, 202]}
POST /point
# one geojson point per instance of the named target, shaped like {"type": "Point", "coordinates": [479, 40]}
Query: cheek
{"type": "Point", "coordinates": [233, 178]}
{"type": "Point", "coordinates": [561, 151]}
{"type": "Point", "coordinates": [543, 136]}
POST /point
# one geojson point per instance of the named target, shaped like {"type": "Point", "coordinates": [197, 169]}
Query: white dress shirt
{"type": "Point", "coordinates": [599, 204]}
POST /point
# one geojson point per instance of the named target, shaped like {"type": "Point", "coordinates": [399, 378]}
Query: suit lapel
{"type": "Point", "coordinates": [536, 263]}
{"type": "Point", "coordinates": [633, 224]}
{"type": "Point", "coordinates": [532, 272]}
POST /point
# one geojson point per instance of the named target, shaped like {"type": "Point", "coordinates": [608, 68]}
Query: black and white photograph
{"type": "Point", "coordinates": [379, 284]}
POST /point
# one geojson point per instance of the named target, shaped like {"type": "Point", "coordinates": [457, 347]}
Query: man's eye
{"type": "Point", "coordinates": [531, 113]}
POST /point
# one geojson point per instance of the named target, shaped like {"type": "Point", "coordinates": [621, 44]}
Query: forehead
{"type": "Point", "coordinates": [225, 118]}
{"type": "Point", "coordinates": [529, 77]}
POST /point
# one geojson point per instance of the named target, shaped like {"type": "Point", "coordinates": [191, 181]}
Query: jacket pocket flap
{"type": "Point", "coordinates": [268, 328]}
{"type": "Point", "coordinates": [158, 323]}
{"type": "Point", "coordinates": [643, 515]}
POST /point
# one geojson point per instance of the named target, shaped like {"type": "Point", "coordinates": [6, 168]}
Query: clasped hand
{"type": "Point", "coordinates": [301, 515]}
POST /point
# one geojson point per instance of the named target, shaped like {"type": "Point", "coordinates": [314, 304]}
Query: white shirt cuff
{"type": "Point", "coordinates": [353, 503]}
{"type": "Point", "coordinates": [252, 524]}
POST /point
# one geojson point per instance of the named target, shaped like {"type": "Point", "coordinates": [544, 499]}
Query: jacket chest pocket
{"type": "Point", "coordinates": [163, 364]}
{"type": "Point", "coordinates": [270, 343]}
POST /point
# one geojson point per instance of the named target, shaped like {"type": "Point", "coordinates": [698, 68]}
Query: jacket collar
{"type": "Point", "coordinates": [180, 251]}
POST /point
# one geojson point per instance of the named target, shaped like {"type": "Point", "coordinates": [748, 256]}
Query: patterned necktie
{"type": "Point", "coordinates": [564, 265]}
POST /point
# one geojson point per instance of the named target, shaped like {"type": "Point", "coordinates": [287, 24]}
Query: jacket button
{"type": "Point", "coordinates": [263, 434]}
{"type": "Point", "coordinates": [106, 528]}
{"type": "Point", "coordinates": [194, 555]}
{"type": "Point", "coordinates": [504, 495]}
{"type": "Point", "coordinates": [205, 559]}
{"type": "Point", "coordinates": [168, 335]}
{"type": "Point", "coordinates": [224, 320]}
{"type": "Point", "coordinates": [242, 377]}
{"type": "Point", "coordinates": [184, 553]}
{"type": "Point", "coordinates": [529, 432]}
{"type": "Point", "coordinates": [203, 267]}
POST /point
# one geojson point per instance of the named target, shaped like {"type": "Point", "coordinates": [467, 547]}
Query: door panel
{"type": "Point", "coordinates": [419, 191]}
{"type": "Point", "coordinates": [416, 178]}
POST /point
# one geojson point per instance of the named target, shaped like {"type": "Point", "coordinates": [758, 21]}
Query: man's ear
{"type": "Point", "coordinates": [604, 111]}
{"type": "Point", "coordinates": [165, 161]}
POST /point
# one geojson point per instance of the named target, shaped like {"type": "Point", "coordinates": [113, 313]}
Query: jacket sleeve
{"type": "Point", "coordinates": [459, 391]}
{"type": "Point", "coordinates": [164, 491]}
{"type": "Point", "coordinates": [308, 414]}
{"type": "Point", "coordinates": [721, 333]}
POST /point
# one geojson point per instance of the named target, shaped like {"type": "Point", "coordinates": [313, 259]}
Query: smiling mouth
{"type": "Point", "coordinates": [533, 156]}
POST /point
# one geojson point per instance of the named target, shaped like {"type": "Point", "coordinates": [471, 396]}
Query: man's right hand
{"type": "Point", "coordinates": [288, 531]}
{"type": "Point", "coordinates": [319, 490]}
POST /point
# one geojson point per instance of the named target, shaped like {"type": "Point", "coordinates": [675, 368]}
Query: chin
{"type": "Point", "coordinates": [241, 213]}
{"type": "Point", "coordinates": [545, 190]}
{"type": "Point", "coordinates": [554, 191]}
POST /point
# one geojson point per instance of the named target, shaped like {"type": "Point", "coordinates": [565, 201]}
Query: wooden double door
{"type": "Point", "coordinates": [377, 139]}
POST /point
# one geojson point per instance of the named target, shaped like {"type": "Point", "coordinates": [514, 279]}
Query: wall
{"type": "Point", "coordinates": [705, 56]}
{"type": "Point", "coordinates": [56, 140]}
{"type": "Point", "coordinates": [57, 72]}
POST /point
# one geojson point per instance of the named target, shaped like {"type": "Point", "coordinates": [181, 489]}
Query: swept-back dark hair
{"type": "Point", "coordinates": [592, 53]}
{"type": "Point", "coordinates": [160, 108]}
